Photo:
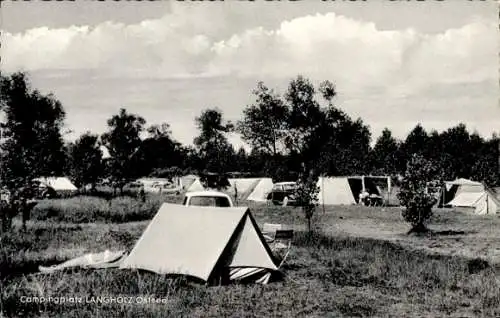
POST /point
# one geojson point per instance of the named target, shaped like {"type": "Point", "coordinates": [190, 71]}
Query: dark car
{"type": "Point", "coordinates": [43, 191]}
{"type": "Point", "coordinates": [283, 193]}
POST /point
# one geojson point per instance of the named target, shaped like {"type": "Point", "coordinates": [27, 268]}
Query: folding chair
{"type": "Point", "coordinates": [269, 231]}
{"type": "Point", "coordinates": [283, 242]}
{"type": "Point", "coordinates": [279, 240]}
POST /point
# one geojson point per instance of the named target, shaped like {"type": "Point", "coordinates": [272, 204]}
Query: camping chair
{"type": "Point", "coordinates": [279, 240]}
{"type": "Point", "coordinates": [269, 231]}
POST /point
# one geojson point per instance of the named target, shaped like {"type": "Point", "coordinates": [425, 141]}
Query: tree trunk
{"type": "Point", "coordinates": [419, 229]}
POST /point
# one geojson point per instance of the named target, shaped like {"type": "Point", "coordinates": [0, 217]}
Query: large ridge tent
{"type": "Point", "coordinates": [460, 189]}
{"type": "Point", "coordinates": [471, 194]}
{"type": "Point", "coordinates": [335, 191]}
{"type": "Point", "coordinates": [58, 183]}
{"type": "Point", "coordinates": [344, 190]}
{"type": "Point", "coordinates": [261, 190]}
{"type": "Point", "coordinates": [209, 243]}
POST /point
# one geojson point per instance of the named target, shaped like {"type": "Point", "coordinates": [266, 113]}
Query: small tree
{"type": "Point", "coordinates": [307, 194]}
{"type": "Point", "coordinates": [123, 141]}
{"type": "Point", "coordinates": [86, 160]}
{"type": "Point", "coordinates": [415, 199]}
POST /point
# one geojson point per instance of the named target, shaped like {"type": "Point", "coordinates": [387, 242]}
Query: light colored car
{"type": "Point", "coordinates": [208, 198]}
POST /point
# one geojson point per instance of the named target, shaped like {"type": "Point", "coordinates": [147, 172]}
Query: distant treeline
{"type": "Point", "coordinates": [302, 127]}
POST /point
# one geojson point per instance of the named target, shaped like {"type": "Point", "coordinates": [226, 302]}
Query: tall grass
{"type": "Point", "coordinates": [324, 276]}
{"type": "Point", "coordinates": [87, 209]}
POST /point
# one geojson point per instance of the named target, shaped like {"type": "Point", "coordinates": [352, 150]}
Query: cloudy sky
{"type": "Point", "coordinates": [394, 64]}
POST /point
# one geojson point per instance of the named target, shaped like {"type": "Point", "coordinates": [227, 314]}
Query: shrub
{"type": "Point", "coordinates": [417, 203]}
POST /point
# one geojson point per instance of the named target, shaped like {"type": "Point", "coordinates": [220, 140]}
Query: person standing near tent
{"type": "Point", "coordinates": [363, 197]}
{"type": "Point", "coordinates": [142, 194]}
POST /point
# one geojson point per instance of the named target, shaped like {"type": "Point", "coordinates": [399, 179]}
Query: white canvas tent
{"type": "Point", "coordinates": [211, 244]}
{"type": "Point", "coordinates": [471, 194]}
{"type": "Point", "coordinates": [261, 190]}
{"type": "Point", "coordinates": [464, 186]}
{"type": "Point", "coordinates": [195, 186]}
{"type": "Point", "coordinates": [335, 191]}
{"type": "Point", "coordinates": [187, 181]}
{"type": "Point", "coordinates": [57, 183]}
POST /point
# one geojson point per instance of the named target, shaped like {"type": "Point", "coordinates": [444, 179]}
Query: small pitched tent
{"type": "Point", "coordinates": [211, 244]}
{"type": "Point", "coordinates": [243, 186]}
{"type": "Point", "coordinates": [62, 184]}
{"type": "Point", "coordinates": [196, 186]}
{"type": "Point", "coordinates": [261, 190]}
{"type": "Point", "coordinates": [187, 181]}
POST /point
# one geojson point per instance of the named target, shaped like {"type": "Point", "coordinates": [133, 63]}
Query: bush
{"type": "Point", "coordinates": [413, 194]}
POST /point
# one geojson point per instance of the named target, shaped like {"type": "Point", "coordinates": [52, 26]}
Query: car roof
{"type": "Point", "coordinates": [207, 194]}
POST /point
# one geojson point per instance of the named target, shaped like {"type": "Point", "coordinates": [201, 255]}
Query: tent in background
{"type": "Point", "coordinates": [244, 186]}
{"type": "Point", "coordinates": [212, 244]}
{"type": "Point", "coordinates": [463, 193]}
{"type": "Point", "coordinates": [344, 190]}
{"type": "Point", "coordinates": [261, 190]}
{"type": "Point", "coordinates": [187, 181]}
{"type": "Point", "coordinates": [457, 188]}
{"type": "Point", "coordinates": [62, 184]}
{"type": "Point", "coordinates": [195, 186]}
{"type": "Point", "coordinates": [335, 191]}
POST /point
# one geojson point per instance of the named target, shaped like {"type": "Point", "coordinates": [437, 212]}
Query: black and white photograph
{"type": "Point", "coordinates": [250, 158]}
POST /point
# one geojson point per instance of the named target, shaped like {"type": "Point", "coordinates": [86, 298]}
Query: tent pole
{"type": "Point", "coordinates": [388, 190]}
{"type": "Point", "coordinates": [487, 212]}
{"type": "Point", "coordinates": [323, 196]}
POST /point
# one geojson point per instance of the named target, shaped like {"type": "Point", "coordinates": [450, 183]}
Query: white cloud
{"type": "Point", "coordinates": [324, 45]}
{"type": "Point", "coordinates": [402, 70]}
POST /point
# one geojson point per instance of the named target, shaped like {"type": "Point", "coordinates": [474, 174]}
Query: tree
{"type": "Point", "coordinates": [159, 151]}
{"type": "Point", "coordinates": [86, 160]}
{"type": "Point", "coordinates": [307, 195]}
{"type": "Point", "coordinates": [214, 151]}
{"type": "Point", "coordinates": [264, 123]}
{"type": "Point", "coordinates": [33, 144]}
{"type": "Point", "coordinates": [486, 169]}
{"type": "Point", "coordinates": [457, 150]}
{"type": "Point", "coordinates": [385, 154]}
{"type": "Point", "coordinates": [307, 125]}
{"type": "Point", "coordinates": [417, 203]}
{"type": "Point", "coordinates": [415, 142]}
{"type": "Point", "coordinates": [241, 160]}
{"type": "Point", "coordinates": [123, 141]}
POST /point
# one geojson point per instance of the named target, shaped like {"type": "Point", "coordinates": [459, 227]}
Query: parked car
{"type": "Point", "coordinates": [43, 191]}
{"type": "Point", "coordinates": [208, 198]}
{"type": "Point", "coordinates": [166, 188]}
{"type": "Point", "coordinates": [283, 193]}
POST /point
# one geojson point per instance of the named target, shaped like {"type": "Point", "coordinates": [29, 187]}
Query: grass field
{"type": "Point", "coordinates": [358, 263]}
